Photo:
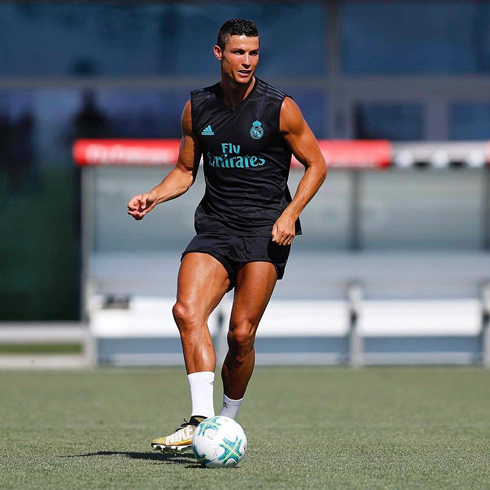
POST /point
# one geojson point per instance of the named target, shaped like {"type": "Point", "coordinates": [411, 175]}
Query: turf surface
{"type": "Point", "coordinates": [306, 427]}
{"type": "Point", "coordinates": [40, 349]}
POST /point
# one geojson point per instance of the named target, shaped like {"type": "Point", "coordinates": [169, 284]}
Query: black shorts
{"type": "Point", "coordinates": [233, 251]}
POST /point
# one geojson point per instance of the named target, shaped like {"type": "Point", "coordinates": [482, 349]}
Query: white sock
{"type": "Point", "coordinates": [230, 407]}
{"type": "Point", "coordinates": [202, 385]}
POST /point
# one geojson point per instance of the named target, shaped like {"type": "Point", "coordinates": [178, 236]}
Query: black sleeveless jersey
{"type": "Point", "coordinates": [246, 161]}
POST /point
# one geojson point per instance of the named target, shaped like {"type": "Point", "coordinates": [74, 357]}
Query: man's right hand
{"type": "Point", "coordinates": [139, 206]}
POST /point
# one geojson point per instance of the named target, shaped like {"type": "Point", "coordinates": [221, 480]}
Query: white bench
{"type": "Point", "coordinates": [47, 333]}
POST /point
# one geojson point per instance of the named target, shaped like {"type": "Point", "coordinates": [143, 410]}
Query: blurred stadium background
{"type": "Point", "coordinates": [393, 267]}
{"type": "Point", "coordinates": [394, 263]}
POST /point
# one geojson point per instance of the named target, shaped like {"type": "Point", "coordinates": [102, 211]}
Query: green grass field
{"type": "Point", "coordinates": [14, 349]}
{"type": "Point", "coordinates": [306, 428]}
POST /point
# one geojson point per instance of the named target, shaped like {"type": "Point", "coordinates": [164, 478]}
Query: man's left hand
{"type": "Point", "coordinates": [284, 230]}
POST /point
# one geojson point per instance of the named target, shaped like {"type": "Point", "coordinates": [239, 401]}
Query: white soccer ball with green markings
{"type": "Point", "coordinates": [219, 442]}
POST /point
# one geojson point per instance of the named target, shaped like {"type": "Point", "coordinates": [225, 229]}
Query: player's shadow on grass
{"type": "Point", "coordinates": [169, 458]}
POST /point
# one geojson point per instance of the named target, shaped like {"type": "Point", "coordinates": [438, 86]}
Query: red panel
{"type": "Point", "coordinates": [126, 152]}
{"type": "Point", "coordinates": [341, 154]}
{"type": "Point", "coordinates": [355, 154]}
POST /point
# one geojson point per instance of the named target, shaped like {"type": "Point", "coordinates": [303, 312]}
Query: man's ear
{"type": "Point", "coordinates": [217, 52]}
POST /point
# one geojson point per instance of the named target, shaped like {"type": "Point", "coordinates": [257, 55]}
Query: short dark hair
{"type": "Point", "coordinates": [236, 27]}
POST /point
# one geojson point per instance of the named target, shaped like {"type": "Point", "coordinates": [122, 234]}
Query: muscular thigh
{"type": "Point", "coordinates": [255, 283]}
{"type": "Point", "coordinates": [202, 283]}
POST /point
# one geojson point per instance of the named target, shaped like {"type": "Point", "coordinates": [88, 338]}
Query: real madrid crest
{"type": "Point", "coordinates": [256, 131]}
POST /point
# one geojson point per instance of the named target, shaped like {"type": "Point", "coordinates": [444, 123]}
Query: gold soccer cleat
{"type": "Point", "coordinates": [180, 440]}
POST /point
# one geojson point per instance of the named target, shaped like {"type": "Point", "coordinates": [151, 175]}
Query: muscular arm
{"type": "Point", "coordinates": [179, 180]}
{"type": "Point", "coordinates": [305, 148]}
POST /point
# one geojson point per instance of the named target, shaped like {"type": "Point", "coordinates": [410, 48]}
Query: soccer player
{"type": "Point", "coordinates": [245, 130]}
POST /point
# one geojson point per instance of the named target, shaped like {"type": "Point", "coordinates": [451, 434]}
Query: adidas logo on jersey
{"type": "Point", "coordinates": [208, 131]}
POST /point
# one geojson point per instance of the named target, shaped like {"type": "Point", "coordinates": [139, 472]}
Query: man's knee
{"type": "Point", "coordinates": [241, 336]}
{"type": "Point", "coordinates": [185, 316]}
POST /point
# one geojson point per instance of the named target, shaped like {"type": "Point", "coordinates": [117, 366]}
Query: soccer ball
{"type": "Point", "coordinates": [219, 442]}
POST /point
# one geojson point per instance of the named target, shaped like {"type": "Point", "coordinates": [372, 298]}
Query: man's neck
{"type": "Point", "coordinates": [233, 93]}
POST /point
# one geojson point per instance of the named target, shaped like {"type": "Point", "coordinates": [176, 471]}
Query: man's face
{"type": "Point", "coordinates": [239, 58]}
